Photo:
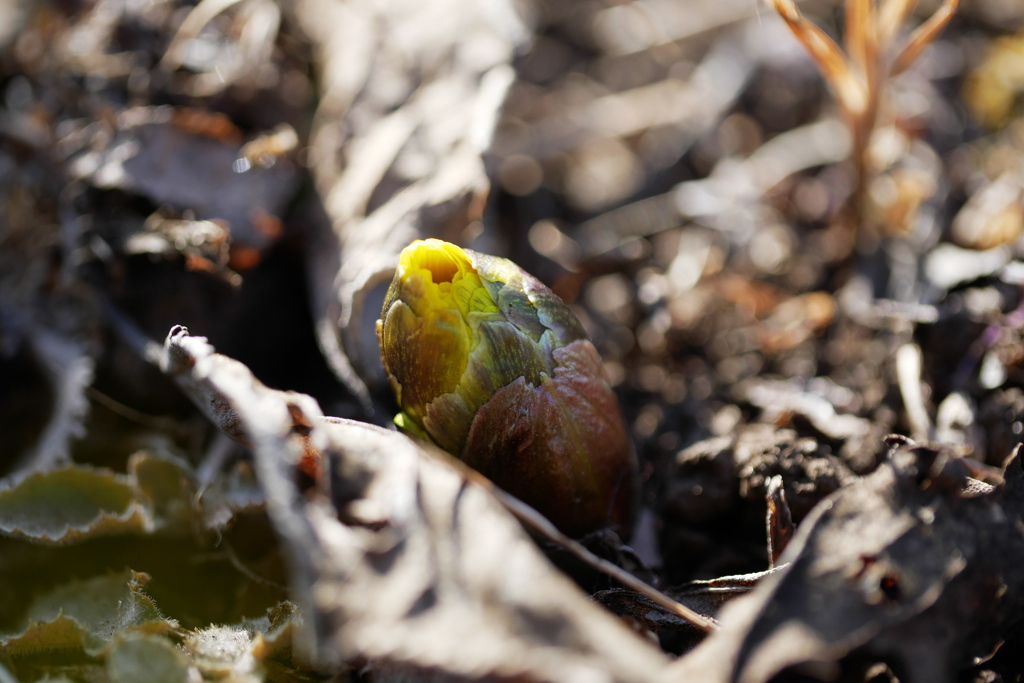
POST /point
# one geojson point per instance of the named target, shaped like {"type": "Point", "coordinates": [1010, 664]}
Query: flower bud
{"type": "Point", "coordinates": [487, 363]}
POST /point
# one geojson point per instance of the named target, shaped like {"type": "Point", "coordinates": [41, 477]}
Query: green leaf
{"type": "Point", "coordinates": [166, 487]}
{"type": "Point", "coordinates": [147, 658]}
{"type": "Point", "coordinates": [85, 616]}
{"type": "Point", "coordinates": [75, 502]}
{"type": "Point", "coordinates": [66, 504]}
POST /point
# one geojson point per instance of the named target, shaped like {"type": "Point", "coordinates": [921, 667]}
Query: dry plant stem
{"type": "Point", "coordinates": [538, 523]}
{"type": "Point", "coordinates": [827, 55]}
{"type": "Point", "coordinates": [858, 76]}
{"type": "Point", "coordinates": [862, 46]}
{"type": "Point", "coordinates": [849, 77]}
{"type": "Point", "coordinates": [861, 41]}
{"type": "Point", "coordinates": [909, 362]}
{"type": "Point", "coordinates": [924, 34]}
{"type": "Point", "coordinates": [237, 563]}
{"type": "Point", "coordinates": [891, 16]}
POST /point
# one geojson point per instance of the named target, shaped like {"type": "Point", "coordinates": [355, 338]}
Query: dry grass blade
{"type": "Point", "coordinates": [925, 34]}
{"type": "Point", "coordinates": [859, 77]}
{"type": "Point", "coordinates": [861, 40]}
{"type": "Point", "coordinates": [831, 61]}
{"type": "Point", "coordinates": [891, 15]}
{"type": "Point", "coordinates": [538, 523]}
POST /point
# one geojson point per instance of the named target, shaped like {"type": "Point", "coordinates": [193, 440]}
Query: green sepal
{"type": "Point", "coordinates": [409, 426]}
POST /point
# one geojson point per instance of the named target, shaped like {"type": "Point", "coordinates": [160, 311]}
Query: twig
{"type": "Point", "coordinates": [925, 34]}
{"type": "Point", "coordinates": [159, 424]}
{"type": "Point", "coordinates": [540, 524]}
{"type": "Point", "coordinates": [908, 376]}
{"type": "Point", "coordinates": [237, 563]}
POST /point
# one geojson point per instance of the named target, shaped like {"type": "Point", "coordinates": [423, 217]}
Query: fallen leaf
{"type": "Point", "coordinates": [396, 147]}
{"type": "Point", "coordinates": [397, 558]}
{"type": "Point", "coordinates": [916, 565]}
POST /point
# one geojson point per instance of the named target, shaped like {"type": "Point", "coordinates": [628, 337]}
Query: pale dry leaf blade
{"type": "Point", "coordinates": [540, 525]}
{"type": "Point", "coordinates": [891, 15]}
{"type": "Point", "coordinates": [924, 34]}
{"type": "Point", "coordinates": [859, 33]}
{"type": "Point", "coordinates": [465, 591]}
{"type": "Point", "coordinates": [399, 560]}
{"type": "Point", "coordinates": [412, 92]}
{"type": "Point", "coordinates": [850, 90]}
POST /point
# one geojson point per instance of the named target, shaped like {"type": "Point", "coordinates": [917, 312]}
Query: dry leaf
{"type": "Point", "coordinates": [916, 565]}
{"type": "Point", "coordinates": [411, 92]}
{"type": "Point", "coordinates": [402, 561]}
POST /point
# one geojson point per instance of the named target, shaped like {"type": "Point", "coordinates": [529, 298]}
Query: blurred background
{"type": "Point", "coordinates": [679, 171]}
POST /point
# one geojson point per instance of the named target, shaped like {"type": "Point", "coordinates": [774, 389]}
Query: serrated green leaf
{"type": "Point", "coordinates": [75, 502]}
{"type": "Point", "coordinates": [85, 616]}
{"type": "Point", "coordinates": [64, 505]}
{"type": "Point", "coordinates": [166, 485]}
{"type": "Point", "coordinates": [146, 659]}
{"type": "Point", "coordinates": [57, 635]}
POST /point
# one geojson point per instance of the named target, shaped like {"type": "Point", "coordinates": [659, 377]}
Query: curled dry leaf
{"type": "Point", "coordinates": [402, 561]}
{"type": "Point", "coordinates": [396, 145]}
{"type": "Point", "coordinates": [919, 565]}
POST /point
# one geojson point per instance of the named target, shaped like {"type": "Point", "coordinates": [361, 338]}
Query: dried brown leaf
{"type": "Point", "coordinates": [184, 158]}
{"type": "Point", "coordinates": [405, 116]}
{"type": "Point", "coordinates": [916, 564]}
{"type": "Point", "coordinates": [401, 560]}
